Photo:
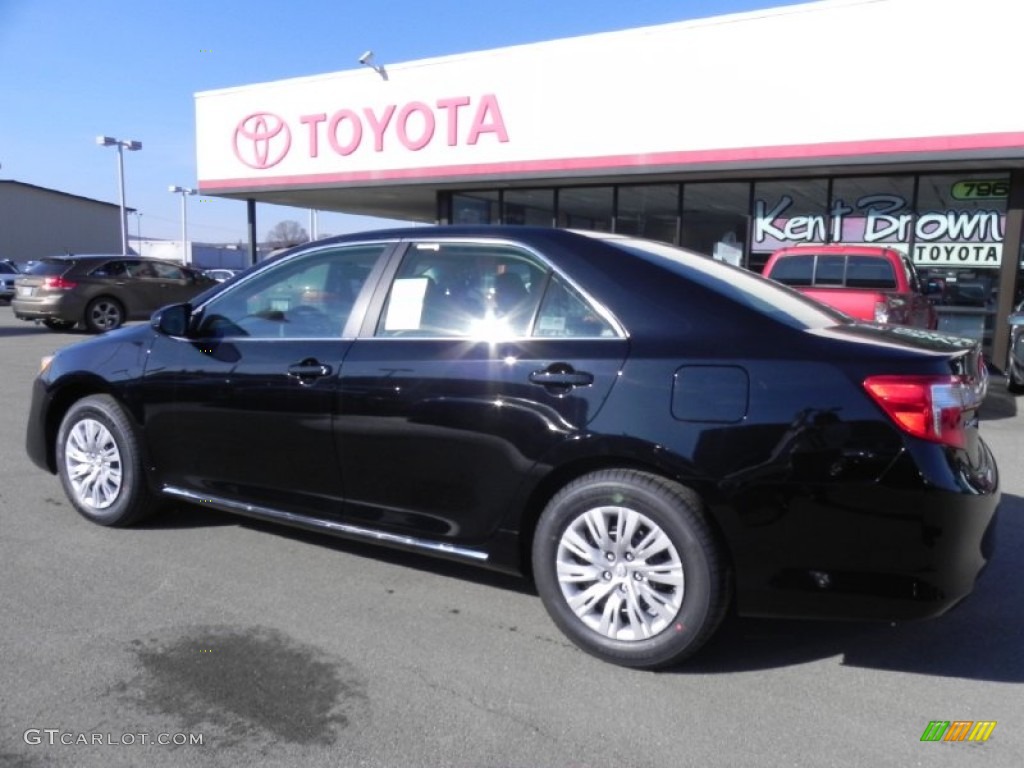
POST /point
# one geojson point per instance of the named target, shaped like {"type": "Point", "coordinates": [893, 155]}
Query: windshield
{"type": "Point", "coordinates": [738, 284]}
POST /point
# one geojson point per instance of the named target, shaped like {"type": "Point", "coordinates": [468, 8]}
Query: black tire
{"type": "Point", "coordinates": [1014, 385]}
{"type": "Point", "coordinates": [58, 325]}
{"type": "Point", "coordinates": [103, 314]}
{"type": "Point", "coordinates": [634, 590]}
{"type": "Point", "coordinates": [100, 464]}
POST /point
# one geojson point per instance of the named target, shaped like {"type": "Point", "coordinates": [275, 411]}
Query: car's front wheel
{"type": "Point", "coordinates": [100, 465]}
{"type": "Point", "coordinates": [104, 314]}
{"type": "Point", "coordinates": [1014, 380]}
{"type": "Point", "coordinates": [628, 568]}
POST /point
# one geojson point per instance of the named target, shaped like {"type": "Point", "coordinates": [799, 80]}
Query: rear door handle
{"type": "Point", "coordinates": [309, 369]}
{"type": "Point", "coordinates": [562, 375]}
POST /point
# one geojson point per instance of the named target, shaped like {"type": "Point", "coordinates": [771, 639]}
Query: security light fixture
{"type": "Point", "coordinates": [367, 61]}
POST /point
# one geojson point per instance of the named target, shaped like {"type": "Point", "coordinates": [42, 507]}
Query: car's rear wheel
{"type": "Point", "coordinates": [100, 465]}
{"type": "Point", "coordinates": [104, 314]}
{"type": "Point", "coordinates": [628, 568]}
{"type": "Point", "coordinates": [59, 325]}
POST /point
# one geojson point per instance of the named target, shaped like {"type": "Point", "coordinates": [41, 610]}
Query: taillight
{"type": "Point", "coordinates": [58, 284]}
{"type": "Point", "coordinates": [929, 407]}
{"type": "Point", "coordinates": [881, 312]}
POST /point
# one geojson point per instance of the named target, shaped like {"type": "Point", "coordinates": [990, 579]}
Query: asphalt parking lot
{"type": "Point", "coordinates": [278, 648]}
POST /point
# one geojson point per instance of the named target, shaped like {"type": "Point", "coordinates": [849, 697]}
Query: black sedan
{"type": "Point", "coordinates": [655, 437]}
{"type": "Point", "coordinates": [101, 291]}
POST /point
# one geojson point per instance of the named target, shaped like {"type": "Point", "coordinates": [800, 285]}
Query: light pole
{"type": "Point", "coordinates": [184, 192]}
{"type": "Point", "coordinates": [132, 146]}
{"type": "Point", "coordinates": [138, 229]}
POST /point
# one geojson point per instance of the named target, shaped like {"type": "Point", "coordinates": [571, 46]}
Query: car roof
{"type": "Point", "coordinates": [836, 248]}
{"type": "Point", "coordinates": [88, 257]}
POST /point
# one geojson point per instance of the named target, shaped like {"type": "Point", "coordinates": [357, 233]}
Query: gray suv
{"type": "Point", "coordinates": [101, 291]}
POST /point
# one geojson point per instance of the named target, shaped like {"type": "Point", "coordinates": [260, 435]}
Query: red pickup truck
{"type": "Point", "coordinates": [867, 282]}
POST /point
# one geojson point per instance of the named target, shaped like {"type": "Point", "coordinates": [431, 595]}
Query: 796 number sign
{"type": "Point", "coordinates": [981, 190]}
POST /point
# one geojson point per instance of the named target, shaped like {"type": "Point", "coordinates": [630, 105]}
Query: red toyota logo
{"type": "Point", "coordinates": [258, 134]}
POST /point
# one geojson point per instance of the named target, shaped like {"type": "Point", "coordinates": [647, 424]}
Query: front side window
{"type": "Point", "coordinates": [309, 296]}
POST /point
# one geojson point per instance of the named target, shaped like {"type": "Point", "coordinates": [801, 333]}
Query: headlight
{"type": "Point", "coordinates": [44, 363]}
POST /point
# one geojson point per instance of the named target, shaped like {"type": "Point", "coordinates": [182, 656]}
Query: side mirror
{"type": "Point", "coordinates": [172, 320]}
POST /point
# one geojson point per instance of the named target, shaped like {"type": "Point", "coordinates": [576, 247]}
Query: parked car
{"type": "Point", "coordinates": [8, 271]}
{"type": "Point", "coordinates": [866, 282]}
{"type": "Point", "coordinates": [1015, 365]}
{"type": "Point", "coordinates": [654, 436]}
{"type": "Point", "coordinates": [101, 291]}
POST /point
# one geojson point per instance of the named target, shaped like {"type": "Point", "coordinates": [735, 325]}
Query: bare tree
{"type": "Point", "coordinates": [287, 233]}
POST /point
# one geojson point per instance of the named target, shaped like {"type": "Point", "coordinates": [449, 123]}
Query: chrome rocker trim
{"type": "Point", "coordinates": [323, 526]}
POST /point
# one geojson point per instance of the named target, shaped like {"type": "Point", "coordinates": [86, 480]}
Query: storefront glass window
{"type": "Point", "coordinates": [475, 208]}
{"type": "Point", "coordinates": [650, 211]}
{"type": "Point", "coordinates": [872, 210]}
{"type": "Point", "coordinates": [715, 220]}
{"type": "Point", "coordinates": [958, 233]}
{"type": "Point", "coordinates": [586, 208]}
{"type": "Point", "coordinates": [535, 207]}
{"type": "Point", "coordinates": [788, 213]}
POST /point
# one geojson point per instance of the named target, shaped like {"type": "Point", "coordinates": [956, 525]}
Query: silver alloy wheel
{"type": "Point", "coordinates": [93, 464]}
{"type": "Point", "coordinates": [105, 315]}
{"type": "Point", "coordinates": [620, 573]}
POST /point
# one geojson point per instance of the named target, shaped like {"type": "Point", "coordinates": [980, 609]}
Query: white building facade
{"type": "Point", "coordinates": [858, 121]}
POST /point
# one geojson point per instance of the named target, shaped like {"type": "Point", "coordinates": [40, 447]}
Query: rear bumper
{"type": "Point", "coordinates": [33, 309]}
{"type": "Point", "coordinates": [900, 549]}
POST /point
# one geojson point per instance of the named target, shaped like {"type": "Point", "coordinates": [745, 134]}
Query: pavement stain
{"type": "Point", "coordinates": [245, 683]}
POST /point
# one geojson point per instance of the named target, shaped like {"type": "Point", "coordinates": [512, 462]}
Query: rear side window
{"type": "Point", "coordinates": [111, 269]}
{"type": "Point", "coordinates": [461, 289]}
{"type": "Point", "coordinates": [565, 313]}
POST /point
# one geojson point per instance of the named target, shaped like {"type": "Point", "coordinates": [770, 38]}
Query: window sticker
{"type": "Point", "coordinates": [405, 309]}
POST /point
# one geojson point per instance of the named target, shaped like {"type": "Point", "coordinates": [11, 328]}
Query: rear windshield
{"type": "Point", "coordinates": [735, 283]}
{"type": "Point", "coordinates": [830, 269]}
{"type": "Point", "coordinates": [49, 268]}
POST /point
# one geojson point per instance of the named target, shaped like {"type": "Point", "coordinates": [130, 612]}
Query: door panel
{"type": "Point", "coordinates": [481, 360]}
{"type": "Point", "coordinates": [436, 435]}
{"type": "Point", "coordinates": [266, 428]}
{"type": "Point", "coordinates": [258, 378]}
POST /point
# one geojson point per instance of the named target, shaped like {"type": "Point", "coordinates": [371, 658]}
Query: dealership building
{"type": "Point", "coordinates": [892, 122]}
